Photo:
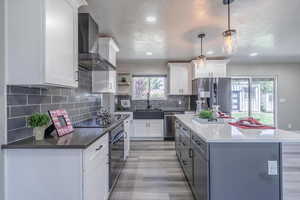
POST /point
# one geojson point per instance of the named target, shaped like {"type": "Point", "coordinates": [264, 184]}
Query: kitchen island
{"type": "Point", "coordinates": [224, 162]}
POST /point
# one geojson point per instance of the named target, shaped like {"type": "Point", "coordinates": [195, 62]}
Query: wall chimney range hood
{"type": "Point", "coordinates": [88, 46]}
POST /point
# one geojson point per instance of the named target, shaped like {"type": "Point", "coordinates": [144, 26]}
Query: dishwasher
{"type": "Point", "coordinates": [169, 124]}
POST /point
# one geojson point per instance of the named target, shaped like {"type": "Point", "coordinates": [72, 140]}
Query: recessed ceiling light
{"type": "Point", "coordinates": [149, 53]}
{"type": "Point", "coordinates": [151, 19]}
{"type": "Point", "coordinates": [210, 53]}
{"type": "Point", "coordinates": [253, 54]}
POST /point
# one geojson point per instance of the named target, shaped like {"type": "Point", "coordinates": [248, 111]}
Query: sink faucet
{"type": "Point", "coordinates": [148, 101]}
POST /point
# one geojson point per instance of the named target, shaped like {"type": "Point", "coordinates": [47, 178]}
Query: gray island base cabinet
{"type": "Point", "coordinates": [243, 171]}
{"type": "Point", "coordinates": [229, 171]}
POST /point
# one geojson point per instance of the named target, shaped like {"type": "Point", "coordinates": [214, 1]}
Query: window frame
{"type": "Point", "coordinates": [275, 92]}
{"type": "Point", "coordinates": [149, 88]}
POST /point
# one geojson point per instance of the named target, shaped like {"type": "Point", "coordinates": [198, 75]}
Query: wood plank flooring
{"type": "Point", "coordinates": [291, 171]}
{"type": "Point", "coordinates": [152, 172]}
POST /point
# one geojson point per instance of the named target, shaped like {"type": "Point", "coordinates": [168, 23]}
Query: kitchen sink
{"type": "Point", "coordinates": [148, 114]}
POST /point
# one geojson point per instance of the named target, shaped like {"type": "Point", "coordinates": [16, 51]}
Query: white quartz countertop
{"type": "Point", "coordinates": [227, 133]}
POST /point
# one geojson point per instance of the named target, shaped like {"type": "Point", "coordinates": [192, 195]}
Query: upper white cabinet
{"type": "Point", "coordinates": [108, 49]}
{"type": "Point", "coordinates": [213, 68]}
{"type": "Point", "coordinates": [180, 78]}
{"type": "Point", "coordinates": [42, 42]}
{"type": "Point", "coordinates": [104, 81]}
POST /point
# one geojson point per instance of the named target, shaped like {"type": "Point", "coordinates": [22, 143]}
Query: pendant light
{"type": "Point", "coordinates": [230, 35]}
{"type": "Point", "coordinates": [200, 61]}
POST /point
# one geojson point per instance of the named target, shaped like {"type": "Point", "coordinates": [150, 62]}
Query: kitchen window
{"type": "Point", "coordinates": [155, 85]}
{"type": "Point", "coordinates": [255, 97]}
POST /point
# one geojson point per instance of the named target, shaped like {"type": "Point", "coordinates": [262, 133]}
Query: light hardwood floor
{"type": "Point", "coordinates": [152, 172]}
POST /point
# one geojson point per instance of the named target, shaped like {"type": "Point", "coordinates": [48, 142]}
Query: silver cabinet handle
{"type": "Point", "coordinates": [77, 78]}
{"type": "Point", "coordinates": [99, 148]}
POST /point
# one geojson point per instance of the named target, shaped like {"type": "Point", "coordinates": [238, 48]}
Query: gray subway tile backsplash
{"type": "Point", "coordinates": [15, 123]}
{"type": "Point", "coordinates": [24, 101]}
{"type": "Point", "coordinates": [17, 111]}
{"type": "Point", "coordinates": [16, 100]}
{"type": "Point", "coordinates": [38, 99]}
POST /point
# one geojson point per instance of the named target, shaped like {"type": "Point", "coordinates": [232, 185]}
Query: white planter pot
{"type": "Point", "coordinates": [39, 132]}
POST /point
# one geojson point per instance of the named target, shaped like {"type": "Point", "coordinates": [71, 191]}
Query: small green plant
{"type": "Point", "coordinates": [206, 114]}
{"type": "Point", "coordinates": [38, 120]}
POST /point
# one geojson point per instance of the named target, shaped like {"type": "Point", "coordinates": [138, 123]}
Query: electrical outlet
{"type": "Point", "coordinates": [290, 126]}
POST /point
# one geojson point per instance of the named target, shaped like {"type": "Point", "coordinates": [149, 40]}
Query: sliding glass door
{"type": "Point", "coordinates": [254, 97]}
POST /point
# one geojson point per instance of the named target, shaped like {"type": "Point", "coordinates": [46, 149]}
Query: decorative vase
{"type": "Point", "coordinates": [39, 132]}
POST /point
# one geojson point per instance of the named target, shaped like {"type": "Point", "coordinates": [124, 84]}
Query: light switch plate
{"type": "Point", "coordinates": [272, 167]}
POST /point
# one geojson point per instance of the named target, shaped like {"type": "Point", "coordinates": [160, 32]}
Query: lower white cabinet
{"type": "Point", "coordinates": [149, 128]}
{"type": "Point", "coordinates": [60, 174]}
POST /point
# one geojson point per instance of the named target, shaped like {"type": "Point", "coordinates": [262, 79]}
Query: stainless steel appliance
{"type": "Point", "coordinates": [88, 46]}
{"type": "Point", "coordinates": [116, 154]}
{"type": "Point", "coordinates": [169, 124]}
{"type": "Point", "coordinates": [213, 91]}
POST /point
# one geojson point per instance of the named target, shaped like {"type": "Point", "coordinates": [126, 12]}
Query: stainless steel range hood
{"type": "Point", "coordinates": [89, 57]}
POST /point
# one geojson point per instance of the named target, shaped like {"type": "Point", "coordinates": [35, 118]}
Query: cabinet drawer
{"type": "Point", "coordinates": [97, 150]}
{"type": "Point", "coordinates": [199, 143]}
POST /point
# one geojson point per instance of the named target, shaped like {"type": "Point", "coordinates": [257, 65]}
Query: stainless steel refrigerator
{"type": "Point", "coordinates": [213, 91]}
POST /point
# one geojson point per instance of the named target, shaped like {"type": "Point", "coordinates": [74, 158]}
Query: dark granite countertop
{"type": "Point", "coordinates": [81, 138]}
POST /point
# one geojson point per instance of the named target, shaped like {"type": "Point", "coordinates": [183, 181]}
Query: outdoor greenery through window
{"type": "Point", "coordinates": [254, 97]}
{"type": "Point", "coordinates": [154, 85]}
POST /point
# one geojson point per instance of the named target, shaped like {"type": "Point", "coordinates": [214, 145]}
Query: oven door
{"type": "Point", "coordinates": [116, 154]}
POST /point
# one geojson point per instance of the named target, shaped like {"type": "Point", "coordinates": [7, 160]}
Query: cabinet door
{"type": "Point", "coordinates": [217, 69]}
{"type": "Point", "coordinates": [112, 81]}
{"type": "Point", "coordinates": [252, 169]}
{"type": "Point", "coordinates": [99, 81]}
{"type": "Point", "coordinates": [96, 180]}
{"type": "Point", "coordinates": [200, 166]}
{"type": "Point", "coordinates": [155, 128]}
{"type": "Point", "coordinates": [61, 43]}
{"type": "Point", "coordinates": [182, 72]}
{"type": "Point", "coordinates": [141, 128]}
{"type": "Point", "coordinates": [96, 171]}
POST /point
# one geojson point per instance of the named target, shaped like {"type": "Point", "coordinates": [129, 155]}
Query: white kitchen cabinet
{"type": "Point", "coordinates": [149, 128]}
{"type": "Point", "coordinates": [42, 37]}
{"type": "Point", "coordinates": [104, 81]}
{"type": "Point", "coordinates": [60, 174]}
{"type": "Point", "coordinates": [213, 68]}
{"type": "Point", "coordinates": [180, 79]}
{"type": "Point", "coordinates": [108, 49]}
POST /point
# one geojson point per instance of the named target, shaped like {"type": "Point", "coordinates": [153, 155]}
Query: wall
{"type": "Point", "coordinates": [288, 88]}
{"type": "Point", "coordinates": [2, 98]}
{"type": "Point", "coordinates": [24, 101]}
{"type": "Point", "coordinates": [142, 68]}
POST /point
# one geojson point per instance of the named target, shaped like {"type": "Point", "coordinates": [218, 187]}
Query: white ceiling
{"type": "Point", "coordinates": [268, 27]}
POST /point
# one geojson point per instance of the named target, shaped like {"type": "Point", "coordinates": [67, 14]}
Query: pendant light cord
{"type": "Point", "coordinates": [201, 46]}
{"type": "Point", "coordinates": [229, 15]}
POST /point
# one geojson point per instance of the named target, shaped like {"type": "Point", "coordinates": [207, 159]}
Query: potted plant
{"type": "Point", "coordinates": [206, 114]}
{"type": "Point", "coordinates": [39, 124]}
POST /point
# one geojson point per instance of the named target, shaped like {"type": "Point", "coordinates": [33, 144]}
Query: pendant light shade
{"type": "Point", "coordinates": [230, 35]}
{"type": "Point", "coordinates": [200, 61]}
{"type": "Point", "coordinates": [230, 41]}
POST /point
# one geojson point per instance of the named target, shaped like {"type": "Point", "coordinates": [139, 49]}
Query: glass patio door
{"type": "Point", "coordinates": [240, 97]}
{"type": "Point", "coordinates": [254, 97]}
{"type": "Point", "coordinates": [262, 100]}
